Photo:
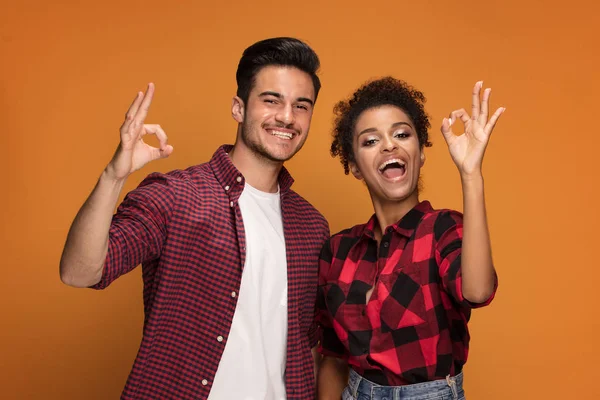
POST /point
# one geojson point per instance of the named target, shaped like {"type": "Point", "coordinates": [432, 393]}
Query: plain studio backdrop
{"type": "Point", "coordinates": [70, 69]}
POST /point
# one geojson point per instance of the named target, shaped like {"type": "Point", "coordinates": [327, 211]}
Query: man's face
{"type": "Point", "coordinates": [276, 118]}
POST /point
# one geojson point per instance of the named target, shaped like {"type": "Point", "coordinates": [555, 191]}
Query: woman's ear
{"type": "Point", "coordinates": [355, 171]}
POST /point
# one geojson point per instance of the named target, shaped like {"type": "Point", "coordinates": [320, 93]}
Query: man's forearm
{"type": "Point", "coordinates": [87, 242]}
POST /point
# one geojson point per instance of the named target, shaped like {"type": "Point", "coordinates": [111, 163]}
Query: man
{"type": "Point", "coordinates": [229, 252]}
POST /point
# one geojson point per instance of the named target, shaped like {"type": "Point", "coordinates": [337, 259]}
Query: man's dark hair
{"type": "Point", "coordinates": [281, 51]}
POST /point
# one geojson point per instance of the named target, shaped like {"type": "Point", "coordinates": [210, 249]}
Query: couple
{"type": "Point", "coordinates": [232, 257]}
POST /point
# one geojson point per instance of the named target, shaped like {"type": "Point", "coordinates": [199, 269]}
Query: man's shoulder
{"type": "Point", "coordinates": [302, 208]}
{"type": "Point", "coordinates": [180, 178]}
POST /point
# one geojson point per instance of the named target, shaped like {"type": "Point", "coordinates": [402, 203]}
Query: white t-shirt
{"type": "Point", "coordinates": [253, 363]}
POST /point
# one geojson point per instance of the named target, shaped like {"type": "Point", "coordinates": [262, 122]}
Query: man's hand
{"type": "Point", "coordinates": [132, 153]}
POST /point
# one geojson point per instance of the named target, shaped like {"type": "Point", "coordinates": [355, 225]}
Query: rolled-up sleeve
{"type": "Point", "coordinates": [448, 230]}
{"type": "Point", "coordinates": [138, 228]}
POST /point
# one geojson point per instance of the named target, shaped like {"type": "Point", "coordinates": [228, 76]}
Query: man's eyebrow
{"type": "Point", "coordinates": [306, 100]}
{"type": "Point", "coordinates": [280, 96]}
{"type": "Point", "coordinates": [270, 93]}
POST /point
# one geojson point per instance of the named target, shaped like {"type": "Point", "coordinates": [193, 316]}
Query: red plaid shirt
{"type": "Point", "coordinates": [414, 327]}
{"type": "Point", "coordinates": [186, 229]}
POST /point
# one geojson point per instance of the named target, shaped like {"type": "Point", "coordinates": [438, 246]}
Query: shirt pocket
{"type": "Point", "coordinates": [402, 300]}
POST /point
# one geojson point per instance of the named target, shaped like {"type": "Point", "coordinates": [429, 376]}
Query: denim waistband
{"type": "Point", "coordinates": [450, 386]}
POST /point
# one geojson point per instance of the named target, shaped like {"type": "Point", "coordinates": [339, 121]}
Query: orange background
{"type": "Point", "coordinates": [69, 70]}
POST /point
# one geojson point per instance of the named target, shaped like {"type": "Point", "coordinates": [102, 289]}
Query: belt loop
{"type": "Point", "coordinates": [357, 384]}
{"type": "Point", "coordinates": [452, 383]}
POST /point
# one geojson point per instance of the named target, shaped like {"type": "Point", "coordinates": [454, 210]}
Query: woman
{"type": "Point", "coordinates": [396, 293]}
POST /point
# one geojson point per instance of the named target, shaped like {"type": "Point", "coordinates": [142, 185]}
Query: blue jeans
{"type": "Point", "coordinates": [445, 389]}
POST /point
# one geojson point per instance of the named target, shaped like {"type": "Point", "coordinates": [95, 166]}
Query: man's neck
{"type": "Point", "coordinates": [259, 172]}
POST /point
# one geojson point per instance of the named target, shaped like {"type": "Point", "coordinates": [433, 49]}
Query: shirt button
{"type": "Point", "coordinates": [219, 339]}
{"type": "Point", "coordinates": [231, 203]}
{"type": "Point", "coordinates": [239, 179]}
{"type": "Point", "coordinates": [226, 187]}
{"type": "Point", "coordinates": [204, 382]}
{"type": "Point", "coordinates": [233, 294]}
{"type": "Point", "coordinates": [385, 244]}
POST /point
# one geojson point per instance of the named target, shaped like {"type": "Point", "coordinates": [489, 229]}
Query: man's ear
{"type": "Point", "coordinates": [355, 171]}
{"type": "Point", "coordinates": [237, 109]}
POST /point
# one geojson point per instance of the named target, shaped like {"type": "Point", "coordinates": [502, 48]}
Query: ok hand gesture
{"type": "Point", "coordinates": [133, 153]}
{"type": "Point", "coordinates": [468, 148]}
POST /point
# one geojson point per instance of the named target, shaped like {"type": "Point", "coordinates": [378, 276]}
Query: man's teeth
{"type": "Point", "coordinates": [282, 135]}
{"type": "Point", "coordinates": [392, 161]}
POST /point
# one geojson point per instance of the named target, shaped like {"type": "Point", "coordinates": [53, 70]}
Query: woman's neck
{"type": "Point", "coordinates": [390, 212]}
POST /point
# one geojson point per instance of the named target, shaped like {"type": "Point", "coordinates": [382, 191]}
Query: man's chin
{"type": "Point", "coordinates": [276, 157]}
{"type": "Point", "coordinates": [279, 155]}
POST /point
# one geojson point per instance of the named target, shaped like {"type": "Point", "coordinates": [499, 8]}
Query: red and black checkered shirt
{"type": "Point", "coordinates": [414, 327]}
{"type": "Point", "coordinates": [186, 229]}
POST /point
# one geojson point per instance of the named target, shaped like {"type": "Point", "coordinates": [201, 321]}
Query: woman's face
{"type": "Point", "coordinates": [387, 153]}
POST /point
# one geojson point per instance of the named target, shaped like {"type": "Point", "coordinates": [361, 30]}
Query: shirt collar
{"type": "Point", "coordinates": [405, 226]}
{"type": "Point", "coordinates": [229, 176]}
